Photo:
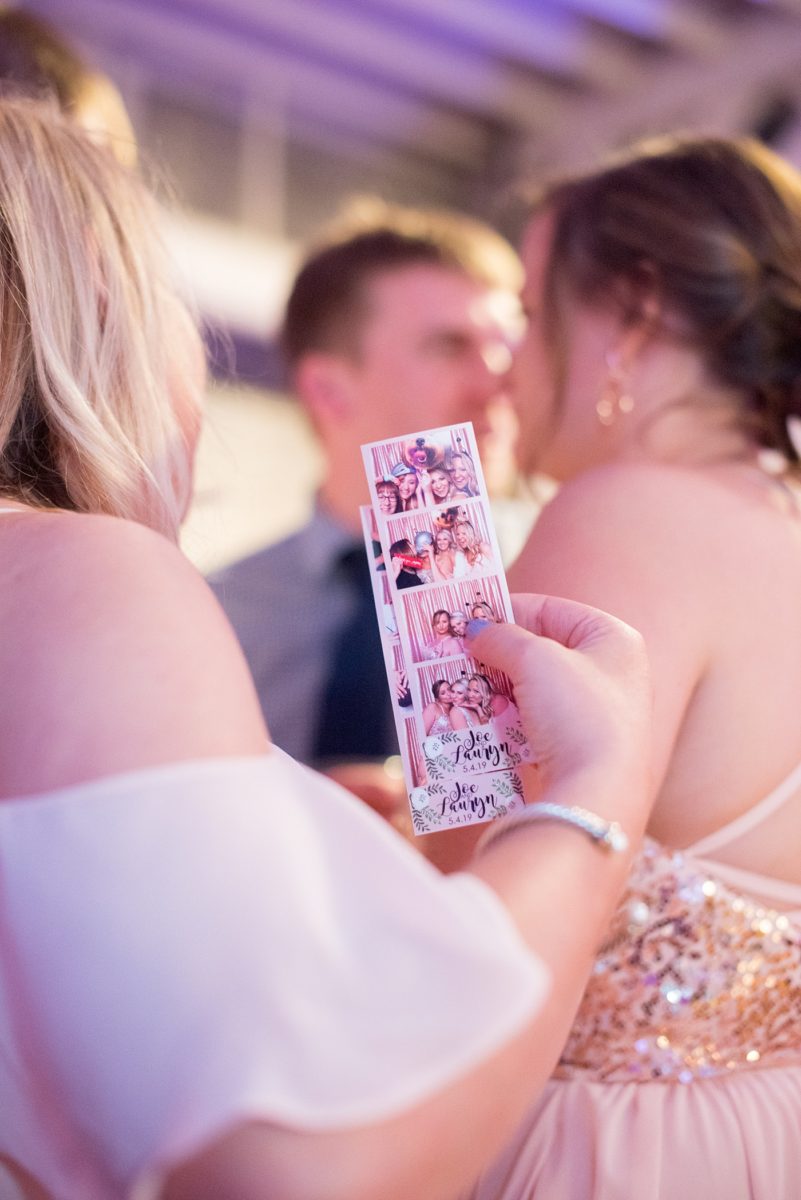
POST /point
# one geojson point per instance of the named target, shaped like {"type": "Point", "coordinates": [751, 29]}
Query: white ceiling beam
{"type": "Point", "coordinates": [469, 78]}
{"type": "Point", "coordinates": [181, 55]}
{"type": "Point", "coordinates": [675, 22]}
{"type": "Point", "coordinates": [536, 36]}
{"type": "Point", "coordinates": [717, 96]}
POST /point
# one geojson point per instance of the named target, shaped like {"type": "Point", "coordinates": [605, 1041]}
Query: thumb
{"type": "Point", "coordinates": [614, 646]}
{"type": "Point", "coordinates": [507, 647]}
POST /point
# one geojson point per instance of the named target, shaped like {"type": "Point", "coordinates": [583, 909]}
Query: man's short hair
{"type": "Point", "coordinates": [329, 298]}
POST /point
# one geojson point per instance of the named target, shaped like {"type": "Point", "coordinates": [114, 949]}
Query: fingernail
{"type": "Point", "coordinates": [475, 626]}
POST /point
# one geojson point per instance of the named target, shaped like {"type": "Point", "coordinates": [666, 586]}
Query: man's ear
{"type": "Point", "coordinates": [322, 383]}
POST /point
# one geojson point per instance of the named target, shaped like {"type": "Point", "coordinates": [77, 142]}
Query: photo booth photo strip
{"type": "Point", "coordinates": [465, 772]}
{"type": "Point", "coordinates": [449, 803]}
{"type": "Point", "coordinates": [469, 721]}
{"type": "Point", "coordinates": [427, 637]}
{"type": "Point", "coordinates": [424, 470]}
{"type": "Point", "coordinates": [455, 542]}
{"type": "Point", "coordinates": [460, 670]}
{"type": "Point", "coordinates": [413, 757]}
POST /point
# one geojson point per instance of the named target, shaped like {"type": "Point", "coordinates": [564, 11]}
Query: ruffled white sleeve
{"type": "Point", "coordinates": [230, 940]}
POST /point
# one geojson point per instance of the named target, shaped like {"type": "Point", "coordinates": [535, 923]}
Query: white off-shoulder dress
{"type": "Point", "coordinates": [190, 946]}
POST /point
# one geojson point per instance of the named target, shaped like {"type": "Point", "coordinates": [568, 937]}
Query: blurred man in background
{"type": "Point", "coordinates": [399, 324]}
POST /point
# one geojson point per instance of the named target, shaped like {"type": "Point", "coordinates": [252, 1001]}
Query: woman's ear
{"type": "Point", "coordinates": [630, 344]}
{"type": "Point", "coordinates": [643, 319]}
{"type": "Point", "coordinates": [641, 302]}
{"type": "Point", "coordinates": [630, 339]}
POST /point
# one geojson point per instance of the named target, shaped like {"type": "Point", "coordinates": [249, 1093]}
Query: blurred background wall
{"type": "Point", "coordinates": [262, 116]}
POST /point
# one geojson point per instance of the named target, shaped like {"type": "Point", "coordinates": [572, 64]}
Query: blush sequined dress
{"type": "Point", "coordinates": [681, 1077]}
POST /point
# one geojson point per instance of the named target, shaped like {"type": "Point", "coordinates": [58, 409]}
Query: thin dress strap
{"type": "Point", "coordinates": [751, 818]}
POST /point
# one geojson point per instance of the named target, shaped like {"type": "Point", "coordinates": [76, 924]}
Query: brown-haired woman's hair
{"type": "Point", "coordinates": [712, 228]}
{"type": "Point", "coordinates": [100, 363]}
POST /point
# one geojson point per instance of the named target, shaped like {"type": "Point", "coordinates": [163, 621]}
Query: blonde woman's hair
{"type": "Point", "coordinates": [100, 362]}
{"type": "Point", "coordinates": [474, 544]}
{"type": "Point", "coordinates": [486, 693]}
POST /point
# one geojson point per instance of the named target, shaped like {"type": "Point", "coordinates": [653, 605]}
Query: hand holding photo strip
{"type": "Point", "coordinates": [461, 739]}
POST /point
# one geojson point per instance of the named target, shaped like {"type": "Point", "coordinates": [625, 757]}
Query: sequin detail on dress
{"type": "Point", "coordinates": [694, 981]}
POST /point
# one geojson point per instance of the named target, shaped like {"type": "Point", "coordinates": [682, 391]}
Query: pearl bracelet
{"type": "Point", "coordinates": [607, 835]}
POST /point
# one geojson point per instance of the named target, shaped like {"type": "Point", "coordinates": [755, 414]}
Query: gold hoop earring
{"type": "Point", "coordinates": [615, 401]}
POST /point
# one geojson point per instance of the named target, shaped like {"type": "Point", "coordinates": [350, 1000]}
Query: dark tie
{"type": "Point", "coordinates": [355, 706]}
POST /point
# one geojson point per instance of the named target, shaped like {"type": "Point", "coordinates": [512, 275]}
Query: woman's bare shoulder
{"type": "Point", "coordinates": [628, 537]}
{"type": "Point", "coordinates": [113, 575]}
{"type": "Point", "coordinates": [624, 509]}
{"type": "Point", "coordinates": [69, 547]}
{"type": "Point", "coordinates": [639, 541]}
{"type": "Point", "coordinates": [624, 486]}
{"type": "Point", "coordinates": [121, 652]}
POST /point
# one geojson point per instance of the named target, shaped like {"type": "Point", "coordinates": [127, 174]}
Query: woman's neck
{"type": "Point", "coordinates": [681, 414]}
